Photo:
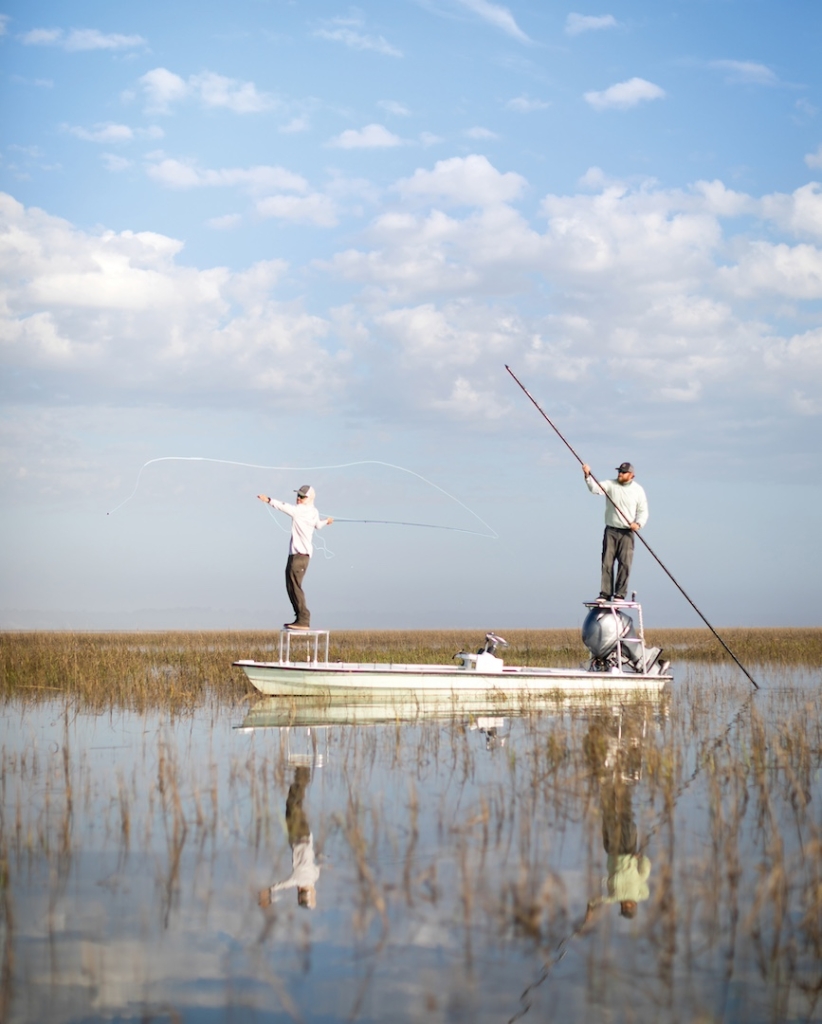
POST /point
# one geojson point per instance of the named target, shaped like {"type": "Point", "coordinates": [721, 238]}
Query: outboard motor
{"type": "Point", "coordinates": [603, 629]}
{"type": "Point", "coordinates": [608, 633]}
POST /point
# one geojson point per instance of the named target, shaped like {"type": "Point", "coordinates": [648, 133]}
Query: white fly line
{"type": "Point", "coordinates": [489, 532]}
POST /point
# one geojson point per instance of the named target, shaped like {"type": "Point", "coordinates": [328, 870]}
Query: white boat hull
{"type": "Point", "coordinates": [390, 682]}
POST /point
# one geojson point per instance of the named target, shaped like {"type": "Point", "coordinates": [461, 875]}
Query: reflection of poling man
{"type": "Point", "coordinates": [305, 871]}
{"type": "Point", "coordinates": [628, 870]}
{"type": "Point", "coordinates": [616, 763]}
{"type": "Point", "coordinates": [305, 519]}
{"type": "Point", "coordinates": [626, 511]}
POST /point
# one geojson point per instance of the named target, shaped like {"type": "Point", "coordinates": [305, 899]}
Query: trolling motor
{"type": "Point", "coordinates": [485, 660]}
{"type": "Point", "coordinates": [608, 633]}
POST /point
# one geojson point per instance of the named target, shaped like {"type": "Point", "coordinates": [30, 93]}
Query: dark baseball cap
{"type": "Point", "coordinates": [306, 491]}
{"type": "Point", "coordinates": [625, 467]}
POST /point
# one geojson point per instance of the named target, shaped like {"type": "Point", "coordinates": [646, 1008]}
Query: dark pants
{"type": "Point", "coordinates": [295, 819]}
{"type": "Point", "coordinates": [617, 546]}
{"type": "Point", "coordinates": [295, 569]}
{"type": "Point", "coordinates": [619, 835]}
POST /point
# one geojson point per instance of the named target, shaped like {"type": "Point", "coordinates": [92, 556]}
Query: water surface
{"type": "Point", "coordinates": [620, 862]}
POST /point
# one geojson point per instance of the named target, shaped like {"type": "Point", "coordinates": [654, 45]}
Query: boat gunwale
{"type": "Point", "coordinates": [273, 669]}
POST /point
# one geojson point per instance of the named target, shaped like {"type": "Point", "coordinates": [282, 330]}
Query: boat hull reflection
{"type": "Point", "coordinates": [279, 712]}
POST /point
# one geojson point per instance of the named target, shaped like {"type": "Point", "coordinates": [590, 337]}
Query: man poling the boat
{"type": "Point", "coordinates": [305, 519]}
{"type": "Point", "coordinates": [626, 511]}
{"type": "Point", "coordinates": [647, 546]}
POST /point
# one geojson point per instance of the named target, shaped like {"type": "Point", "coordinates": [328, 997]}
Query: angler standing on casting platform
{"type": "Point", "coordinates": [305, 520]}
{"type": "Point", "coordinates": [626, 511]}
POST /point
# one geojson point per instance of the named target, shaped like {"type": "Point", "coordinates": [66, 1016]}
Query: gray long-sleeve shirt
{"type": "Point", "coordinates": [629, 498]}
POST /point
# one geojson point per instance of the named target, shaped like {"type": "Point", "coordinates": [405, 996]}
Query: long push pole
{"type": "Point", "coordinates": [645, 542]}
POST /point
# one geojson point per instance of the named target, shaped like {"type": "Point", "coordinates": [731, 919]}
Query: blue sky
{"type": "Point", "coordinates": [309, 235]}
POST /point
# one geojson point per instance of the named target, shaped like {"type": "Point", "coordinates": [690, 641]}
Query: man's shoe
{"type": "Point", "coordinates": [297, 625]}
{"type": "Point", "coordinates": [602, 600]}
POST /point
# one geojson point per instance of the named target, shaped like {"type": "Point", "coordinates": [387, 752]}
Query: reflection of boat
{"type": "Point", "coordinates": [620, 662]}
{"type": "Point", "coordinates": [481, 712]}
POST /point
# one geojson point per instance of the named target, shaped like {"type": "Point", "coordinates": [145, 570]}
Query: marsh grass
{"type": "Point", "coordinates": [177, 669]}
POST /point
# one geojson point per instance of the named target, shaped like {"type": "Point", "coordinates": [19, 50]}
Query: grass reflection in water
{"type": "Point", "coordinates": [207, 861]}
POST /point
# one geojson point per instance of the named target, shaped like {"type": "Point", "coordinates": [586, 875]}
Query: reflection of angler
{"type": "Point", "coordinates": [305, 871]}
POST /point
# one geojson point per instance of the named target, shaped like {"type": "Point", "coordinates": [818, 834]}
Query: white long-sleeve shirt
{"type": "Point", "coordinates": [305, 870]}
{"type": "Point", "coordinates": [305, 519]}
{"type": "Point", "coordinates": [629, 498]}
{"type": "Point", "coordinates": [627, 878]}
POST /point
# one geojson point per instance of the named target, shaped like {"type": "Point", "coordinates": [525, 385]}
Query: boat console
{"type": "Point", "coordinates": [485, 660]}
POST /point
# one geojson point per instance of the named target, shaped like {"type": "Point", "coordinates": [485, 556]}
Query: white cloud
{"type": "Point", "coordinates": [114, 133]}
{"type": "Point", "coordinates": [496, 15]}
{"type": "Point", "coordinates": [257, 180]}
{"type": "Point", "coordinates": [265, 182]}
{"type": "Point", "coordinates": [804, 405]}
{"type": "Point", "coordinates": [577, 23]}
{"type": "Point", "coordinates": [42, 37]}
{"type": "Point", "coordinates": [241, 97]}
{"type": "Point", "coordinates": [357, 41]}
{"type": "Point", "coordinates": [470, 181]}
{"type": "Point", "coordinates": [633, 295]}
{"type": "Point", "coordinates": [640, 277]}
{"type": "Point", "coordinates": [373, 136]}
{"type": "Point", "coordinates": [104, 133]}
{"type": "Point", "coordinates": [594, 178]}
{"type": "Point", "coordinates": [81, 39]}
{"type": "Point", "coordinates": [466, 402]}
{"type": "Point", "coordinates": [115, 163]}
{"type": "Point", "coordinates": [114, 311]}
{"type": "Point", "coordinates": [226, 222]}
{"type": "Point", "coordinates": [798, 361]}
{"type": "Point", "coordinates": [295, 125]}
{"type": "Point", "coordinates": [716, 199]}
{"type": "Point", "coordinates": [480, 133]}
{"type": "Point", "coordinates": [814, 159]}
{"type": "Point", "coordinates": [4, 23]}
{"type": "Point", "coordinates": [746, 72]}
{"type": "Point", "coordinates": [392, 107]}
{"type": "Point", "coordinates": [624, 95]}
{"type": "Point", "coordinates": [805, 110]}
{"type": "Point", "coordinates": [791, 271]}
{"type": "Point", "coordinates": [311, 209]}
{"type": "Point", "coordinates": [800, 212]}
{"type": "Point", "coordinates": [642, 235]}
{"type": "Point", "coordinates": [430, 139]}
{"type": "Point", "coordinates": [163, 88]}
{"type": "Point", "coordinates": [526, 105]}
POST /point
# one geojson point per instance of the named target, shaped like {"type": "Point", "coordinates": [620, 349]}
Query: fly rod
{"type": "Point", "coordinates": [624, 517]}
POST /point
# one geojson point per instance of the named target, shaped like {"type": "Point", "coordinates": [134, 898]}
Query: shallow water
{"type": "Point", "coordinates": [643, 862]}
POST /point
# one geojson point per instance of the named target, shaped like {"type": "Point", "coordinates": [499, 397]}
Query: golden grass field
{"type": "Point", "coordinates": [138, 669]}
